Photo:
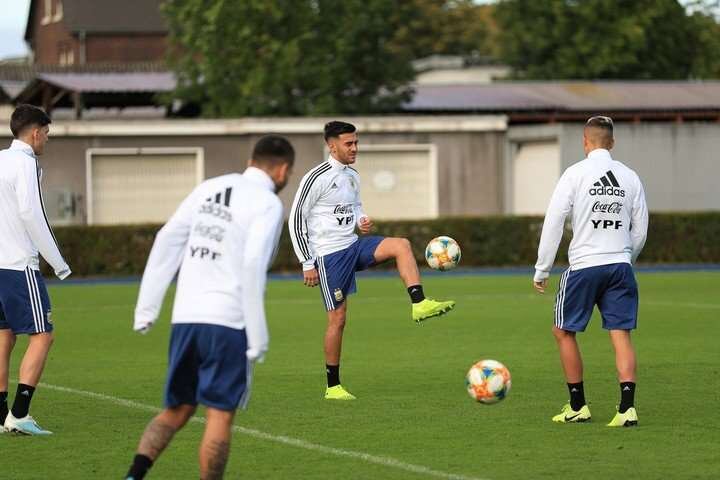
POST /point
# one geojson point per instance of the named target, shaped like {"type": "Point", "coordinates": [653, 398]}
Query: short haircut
{"type": "Point", "coordinates": [26, 116]}
{"type": "Point", "coordinates": [272, 150]}
{"type": "Point", "coordinates": [335, 128]}
{"type": "Point", "coordinates": [599, 129]}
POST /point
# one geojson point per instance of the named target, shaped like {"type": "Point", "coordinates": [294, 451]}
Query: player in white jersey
{"type": "Point", "coordinates": [609, 221]}
{"type": "Point", "coordinates": [325, 213]}
{"type": "Point", "coordinates": [222, 238]}
{"type": "Point", "coordinates": [24, 235]}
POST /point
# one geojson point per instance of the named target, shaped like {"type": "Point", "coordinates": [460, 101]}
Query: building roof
{"type": "Point", "coordinates": [110, 82]}
{"type": "Point", "coordinates": [107, 16]}
{"type": "Point", "coordinates": [567, 96]}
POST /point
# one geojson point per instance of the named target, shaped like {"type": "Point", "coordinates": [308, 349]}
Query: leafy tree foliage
{"type": "Point", "coordinates": [289, 57]}
{"type": "Point", "coordinates": [602, 39]}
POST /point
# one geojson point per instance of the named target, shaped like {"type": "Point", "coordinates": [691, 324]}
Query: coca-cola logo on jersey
{"type": "Point", "coordinates": [612, 207]}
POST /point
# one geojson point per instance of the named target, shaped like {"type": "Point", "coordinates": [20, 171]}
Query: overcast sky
{"type": "Point", "coordinates": [12, 27]}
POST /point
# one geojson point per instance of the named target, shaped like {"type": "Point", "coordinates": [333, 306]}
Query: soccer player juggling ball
{"type": "Point", "coordinates": [24, 234]}
{"type": "Point", "coordinates": [322, 223]}
{"type": "Point", "coordinates": [222, 238]}
{"type": "Point", "coordinates": [610, 221]}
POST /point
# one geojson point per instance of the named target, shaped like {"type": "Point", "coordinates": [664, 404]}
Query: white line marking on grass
{"type": "Point", "coordinates": [294, 442]}
{"type": "Point", "coordinates": [681, 304]}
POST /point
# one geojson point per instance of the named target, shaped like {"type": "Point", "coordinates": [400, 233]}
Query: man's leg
{"type": "Point", "coordinates": [215, 445]}
{"type": "Point", "coordinates": [333, 349]}
{"type": "Point", "coordinates": [626, 365]}
{"type": "Point", "coordinates": [401, 250]}
{"type": "Point", "coordinates": [573, 367]}
{"type": "Point", "coordinates": [7, 342]}
{"type": "Point", "coordinates": [157, 436]}
{"type": "Point", "coordinates": [31, 368]}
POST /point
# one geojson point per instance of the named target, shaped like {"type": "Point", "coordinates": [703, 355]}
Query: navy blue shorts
{"type": "Point", "coordinates": [611, 287]}
{"type": "Point", "coordinates": [24, 302]}
{"type": "Point", "coordinates": [208, 366]}
{"type": "Point", "coordinates": [337, 270]}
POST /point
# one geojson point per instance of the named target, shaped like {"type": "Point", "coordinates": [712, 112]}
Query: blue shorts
{"type": "Point", "coordinates": [337, 270]}
{"type": "Point", "coordinates": [611, 287]}
{"type": "Point", "coordinates": [208, 366]}
{"type": "Point", "coordinates": [24, 302]}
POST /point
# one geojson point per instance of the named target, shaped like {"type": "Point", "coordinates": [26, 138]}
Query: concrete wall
{"type": "Point", "coordinates": [469, 150]}
{"type": "Point", "coordinates": [678, 163]}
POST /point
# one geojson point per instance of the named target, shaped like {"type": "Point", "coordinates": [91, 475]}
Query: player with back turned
{"type": "Point", "coordinates": [323, 219]}
{"type": "Point", "coordinates": [606, 202]}
{"type": "Point", "coordinates": [222, 238]}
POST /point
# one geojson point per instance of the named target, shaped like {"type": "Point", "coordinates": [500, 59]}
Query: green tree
{"type": "Point", "coordinates": [588, 39]}
{"type": "Point", "coordinates": [288, 57]}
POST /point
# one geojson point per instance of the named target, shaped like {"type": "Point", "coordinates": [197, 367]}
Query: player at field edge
{"type": "Point", "coordinates": [322, 223]}
{"type": "Point", "coordinates": [24, 235]}
{"type": "Point", "coordinates": [222, 238]}
{"type": "Point", "coordinates": [610, 221]}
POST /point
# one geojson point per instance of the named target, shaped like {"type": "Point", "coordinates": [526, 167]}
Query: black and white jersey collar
{"type": "Point", "coordinates": [22, 146]}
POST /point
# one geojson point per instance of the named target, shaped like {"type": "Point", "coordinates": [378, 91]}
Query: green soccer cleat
{"type": "Point", "coordinates": [338, 393]}
{"type": "Point", "coordinates": [429, 308]}
{"type": "Point", "coordinates": [627, 419]}
{"type": "Point", "coordinates": [568, 415]}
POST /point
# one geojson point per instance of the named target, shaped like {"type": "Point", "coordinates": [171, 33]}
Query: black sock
{"type": "Point", "coordinates": [333, 375]}
{"type": "Point", "coordinates": [3, 407]}
{"type": "Point", "coordinates": [21, 405]}
{"type": "Point", "coordinates": [416, 293]}
{"type": "Point", "coordinates": [627, 396]}
{"type": "Point", "coordinates": [141, 465]}
{"type": "Point", "coordinates": [577, 395]}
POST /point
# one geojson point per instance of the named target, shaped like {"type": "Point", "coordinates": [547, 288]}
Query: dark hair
{"type": "Point", "coordinates": [600, 121]}
{"type": "Point", "coordinates": [335, 129]}
{"type": "Point", "coordinates": [26, 116]}
{"type": "Point", "coordinates": [273, 150]}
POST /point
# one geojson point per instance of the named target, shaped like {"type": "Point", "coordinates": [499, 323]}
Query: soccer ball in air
{"type": "Point", "coordinates": [442, 253]}
{"type": "Point", "coordinates": [488, 381]}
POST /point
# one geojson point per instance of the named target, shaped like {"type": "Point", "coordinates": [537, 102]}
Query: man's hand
{"type": "Point", "coordinates": [310, 277]}
{"type": "Point", "coordinates": [142, 327]}
{"type": "Point", "coordinates": [365, 225]}
{"type": "Point", "coordinates": [540, 286]}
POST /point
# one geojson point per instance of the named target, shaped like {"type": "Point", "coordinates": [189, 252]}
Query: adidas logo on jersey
{"type": "Point", "coordinates": [221, 197]}
{"type": "Point", "coordinates": [607, 185]}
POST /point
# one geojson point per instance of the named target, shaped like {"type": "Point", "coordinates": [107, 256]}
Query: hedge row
{"type": "Point", "coordinates": [490, 241]}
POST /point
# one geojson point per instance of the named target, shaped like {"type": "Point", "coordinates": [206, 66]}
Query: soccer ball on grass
{"type": "Point", "coordinates": [488, 381]}
{"type": "Point", "coordinates": [442, 253]}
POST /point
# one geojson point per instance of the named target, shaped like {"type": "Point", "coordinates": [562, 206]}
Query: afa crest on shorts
{"type": "Point", "coordinates": [338, 295]}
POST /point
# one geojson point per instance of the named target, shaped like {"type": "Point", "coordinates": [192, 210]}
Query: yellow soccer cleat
{"type": "Point", "coordinates": [338, 393]}
{"type": "Point", "coordinates": [568, 415]}
{"type": "Point", "coordinates": [627, 419]}
{"type": "Point", "coordinates": [429, 308]}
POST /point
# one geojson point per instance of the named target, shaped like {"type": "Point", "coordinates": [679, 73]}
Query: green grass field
{"type": "Point", "coordinates": [413, 419]}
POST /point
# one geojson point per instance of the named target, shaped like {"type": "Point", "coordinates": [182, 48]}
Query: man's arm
{"type": "Point", "coordinates": [32, 213]}
{"type": "Point", "coordinates": [263, 233]}
{"type": "Point", "coordinates": [638, 222]}
{"type": "Point", "coordinates": [363, 222]}
{"type": "Point", "coordinates": [306, 197]}
{"type": "Point", "coordinates": [163, 263]}
{"type": "Point", "coordinates": [561, 204]}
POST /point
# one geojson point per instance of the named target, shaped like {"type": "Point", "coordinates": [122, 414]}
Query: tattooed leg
{"type": "Point", "coordinates": [215, 446]}
{"type": "Point", "coordinates": [161, 429]}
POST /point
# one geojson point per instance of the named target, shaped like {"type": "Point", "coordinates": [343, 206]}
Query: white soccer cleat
{"type": "Point", "coordinates": [24, 426]}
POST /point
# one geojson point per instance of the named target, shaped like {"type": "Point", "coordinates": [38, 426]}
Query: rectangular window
{"type": "Point", "coordinates": [58, 11]}
{"type": "Point", "coordinates": [47, 12]}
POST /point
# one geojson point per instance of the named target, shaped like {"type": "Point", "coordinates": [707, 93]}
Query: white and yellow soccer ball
{"type": "Point", "coordinates": [488, 381]}
{"type": "Point", "coordinates": [442, 253]}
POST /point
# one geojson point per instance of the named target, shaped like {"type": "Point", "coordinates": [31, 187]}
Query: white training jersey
{"type": "Point", "coordinates": [609, 215]}
{"type": "Point", "coordinates": [24, 228]}
{"type": "Point", "coordinates": [325, 211]}
{"type": "Point", "coordinates": [223, 238]}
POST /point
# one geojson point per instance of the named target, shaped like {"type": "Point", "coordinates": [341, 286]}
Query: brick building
{"type": "Point", "coordinates": [82, 32]}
